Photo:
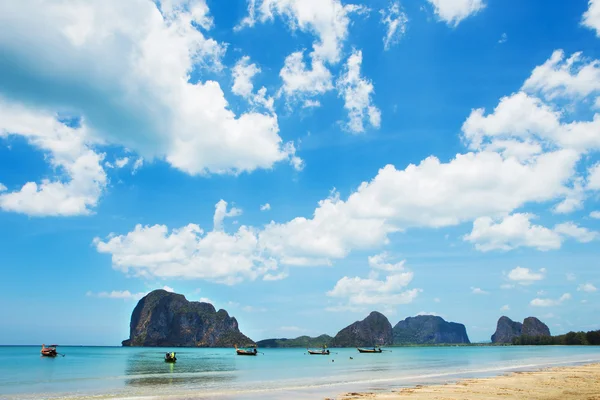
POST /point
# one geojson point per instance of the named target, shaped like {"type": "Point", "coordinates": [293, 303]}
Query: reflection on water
{"type": "Point", "coordinates": [197, 369]}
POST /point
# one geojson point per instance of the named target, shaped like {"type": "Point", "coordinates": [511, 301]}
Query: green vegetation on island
{"type": "Point", "coordinates": [591, 338]}
{"type": "Point", "coordinates": [301, 341]}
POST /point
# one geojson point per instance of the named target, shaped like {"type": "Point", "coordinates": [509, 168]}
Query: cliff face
{"type": "Point", "coordinates": [301, 341]}
{"type": "Point", "coordinates": [429, 329]}
{"type": "Point", "coordinates": [373, 330]}
{"type": "Point", "coordinates": [168, 319]}
{"type": "Point", "coordinates": [534, 327]}
{"type": "Point", "coordinates": [506, 330]}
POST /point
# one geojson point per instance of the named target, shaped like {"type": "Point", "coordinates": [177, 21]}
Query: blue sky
{"type": "Point", "coordinates": [426, 156]}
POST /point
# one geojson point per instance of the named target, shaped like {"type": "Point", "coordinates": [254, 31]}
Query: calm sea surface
{"type": "Point", "coordinates": [116, 372]}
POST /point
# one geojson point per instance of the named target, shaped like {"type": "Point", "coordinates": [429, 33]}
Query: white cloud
{"type": "Point", "coordinates": [328, 20]}
{"type": "Point", "coordinates": [476, 290]}
{"type": "Point", "coordinates": [524, 276]}
{"type": "Point", "coordinates": [541, 292]}
{"type": "Point", "coordinates": [205, 300]}
{"type": "Point", "coordinates": [275, 277]}
{"type": "Point", "coordinates": [118, 294]}
{"type": "Point", "coordinates": [265, 207]}
{"type": "Point", "coordinates": [137, 165]}
{"type": "Point", "coordinates": [299, 81]}
{"type": "Point", "coordinates": [366, 292]}
{"type": "Point", "coordinates": [578, 233]}
{"type": "Point", "coordinates": [454, 11]}
{"type": "Point", "coordinates": [382, 262]}
{"type": "Point", "coordinates": [431, 194]}
{"type": "Point", "coordinates": [311, 104]}
{"type": "Point", "coordinates": [121, 162]}
{"type": "Point", "coordinates": [507, 286]}
{"type": "Point", "coordinates": [221, 213]}
{"type": "Point", "coordinates": [522, 118]}
{"type": "Point", "coordinates": [574, 198]}
{"type": "Point", "coordinates": [591, 18]}
{"type": "Point", "coordinates": [359, 292]}
{"type": "Point", "coordinates": [357, 93]}
{"type": "Point", "coordinates": [168, 289]}
{"type": "Point", "coordinates": [242, 73]}
{"type": "Point", "coordinates": [595, 214]}
{"type": "Point", "coordinates": [429, 313]}
{"type": "Point", "coordinates": [586, 287]}
{"type": "Point", "coordinates": [570, 276]}
{"type": "Point", "coordinates": [188, 252]}
{"type": "Point", "coordinates": [125, 68]}
{"type": "Point", "coordinates": [69, 153]}
{"type": "Point", "coordinates": [513, 231]}
{"type": "Point", "coordinates": [395, 21]}
{"type": "Point", "coordinates": [560, 77]}
{"type": "Point", "coordinates": [3, 188]}
{"type": "Point", "coordinates": [503, 38]}
{"type": "Point", "coordinates": [537, 302]}
{"type": "Point", "coordinates": [593, 178]}
{"type": "Point", "coordinates": [505, 307]}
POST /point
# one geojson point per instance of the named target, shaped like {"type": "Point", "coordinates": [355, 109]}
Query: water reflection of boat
{"type": "Point", "coordinates": [249, 350]}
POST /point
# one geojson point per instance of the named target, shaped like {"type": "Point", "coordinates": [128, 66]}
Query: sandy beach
{"type": "Point", "coordinates": [564, 383]}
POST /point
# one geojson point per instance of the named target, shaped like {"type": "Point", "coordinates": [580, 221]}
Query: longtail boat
{"type": "Point", "coordinates": [170, 357]}
{"type": "Point", "coordinates": [49, 351]}
{"type": "Point", "coordinates": [247, 351]}
{"type": "Point", "coordinates": [375, 349]}
{"type": "Point", "coordinates": [324, 351]}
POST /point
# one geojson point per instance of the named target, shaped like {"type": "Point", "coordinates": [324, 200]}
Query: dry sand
{"type": "Point", "coordinates": [562, 383]}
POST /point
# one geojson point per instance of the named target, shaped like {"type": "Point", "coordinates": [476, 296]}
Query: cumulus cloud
{"type": "Point", "coordinates": [189, 252]}
{"type": "Point", "coordinates": [357, 93]}
{"type": "Point", "coordinates": [125, 68]}
{"type": "Point", "coordinates": [382, 262]}
{"type": "Point", "coordinates": [327, 20]}
{"type": "Point", "coordinates": [454, 11]}
{"type": "Point", "coordinates": [511, 232]}
{"type": "Point", "coordinates": [516, 230]}
{"type": "Point", "coordinates": [505, 307]}
{"type": "Point", "coordinates": [357, 292]}
{"type": "Point", "coordinates": [524, 276]}
{"type": "Point", "coordinates": [560, 76]}
{"type": "Point", "coordinates": [265, 207]}
{"type": "Point", "coordinates": [476, 290]}
{"type": "Point", "coordinates": [537, 302]}
{"type": "Point", "coordinates": [593, 178]}
{"type": "Point", "coordinates": [591, 18]}
{"type": "Point", "coordinates": [595, 214]}
{"type": "Point", "coordinates": [80, 179]}
{"type": "Point", "coordinates": [586, 287]}
{"type": "Point", "coordinates": [221, 213]}
{"type": "Point", "coordinates": [395, 21]}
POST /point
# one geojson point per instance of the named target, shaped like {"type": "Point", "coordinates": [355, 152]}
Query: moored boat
{"type": "Point", "coordinates": [375, 349]}
{"type": "Point", "coordinates": [49, 351]}
{"type": "Point", "coordinates": [250, 350]}
{"type": "Point", "coordinates": [324, 351]}
{"type": "Point", "coordinates": [170, 357]}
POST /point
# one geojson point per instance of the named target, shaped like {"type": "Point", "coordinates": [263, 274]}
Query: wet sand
{"type": "Point", "coordinates": [561, 383]}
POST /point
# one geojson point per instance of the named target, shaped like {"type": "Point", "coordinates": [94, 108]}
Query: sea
{"type": "Point", "coordinates": [141, 373]}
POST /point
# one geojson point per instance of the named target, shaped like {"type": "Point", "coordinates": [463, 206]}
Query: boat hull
{"type": "Point", "coordinates": [369, 351]}
{"type": "Point", "coordinates": [245, 353]}
{"type": "Point", "coordinates": [318, 353]}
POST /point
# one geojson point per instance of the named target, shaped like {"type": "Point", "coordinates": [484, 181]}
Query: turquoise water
{"type": "Point", "coordinates": [116, 372]}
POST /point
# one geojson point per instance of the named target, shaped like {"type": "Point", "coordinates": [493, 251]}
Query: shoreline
{"type": "Point", "coordinates": [569, 382]}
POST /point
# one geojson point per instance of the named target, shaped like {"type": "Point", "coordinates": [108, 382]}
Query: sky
{"type": "Point", "coordinates": [298, 163]}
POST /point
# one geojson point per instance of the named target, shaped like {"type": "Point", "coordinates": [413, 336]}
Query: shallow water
{"type": "Point", "coordinates": [117, 372]}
